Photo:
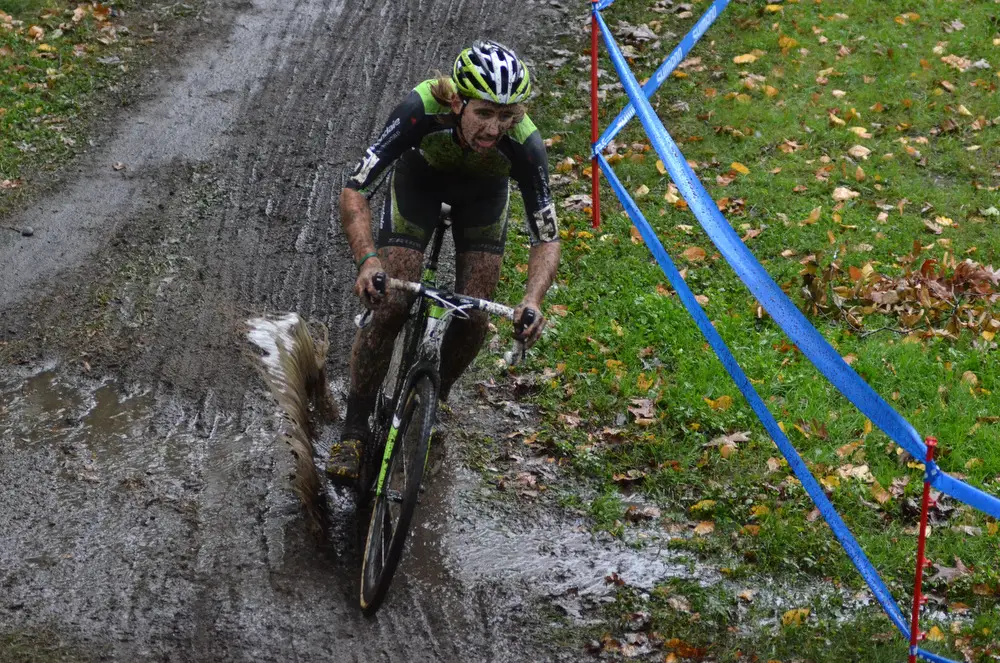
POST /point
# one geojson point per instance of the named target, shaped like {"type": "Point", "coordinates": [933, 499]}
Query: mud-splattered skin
{"type": "Point", "coordinates": [476, 274]}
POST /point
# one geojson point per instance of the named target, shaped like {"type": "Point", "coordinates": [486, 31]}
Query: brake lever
{"type": "Point", "coordinates": [518, 352]}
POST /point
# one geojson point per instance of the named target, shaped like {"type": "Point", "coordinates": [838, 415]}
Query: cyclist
{"type": "Point", "coordinates": [452, 140]}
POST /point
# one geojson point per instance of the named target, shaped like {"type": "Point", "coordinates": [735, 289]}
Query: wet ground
{"type": "Point", "coordinates": [145, 508]}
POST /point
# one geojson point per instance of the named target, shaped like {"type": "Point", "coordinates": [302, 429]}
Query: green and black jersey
{"type": "Point", "coordinates": [421, 138]}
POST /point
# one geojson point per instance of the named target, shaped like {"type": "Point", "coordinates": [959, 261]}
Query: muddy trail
{"type": "Point", "coordinates": [145, 509]}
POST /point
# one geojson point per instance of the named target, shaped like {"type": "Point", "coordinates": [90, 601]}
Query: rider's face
{"type": "Point", "coordinates": [484, 122]}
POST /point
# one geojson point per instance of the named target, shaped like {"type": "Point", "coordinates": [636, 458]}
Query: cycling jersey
{"type": "Point", "coordinates": [420, 138]}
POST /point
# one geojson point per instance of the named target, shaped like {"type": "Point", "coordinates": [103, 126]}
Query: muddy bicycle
{"type": "Point", "coordinates": [402, 421]}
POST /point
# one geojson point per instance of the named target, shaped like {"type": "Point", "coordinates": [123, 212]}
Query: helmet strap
{"type": "Point", "coordinates": [458, 128]}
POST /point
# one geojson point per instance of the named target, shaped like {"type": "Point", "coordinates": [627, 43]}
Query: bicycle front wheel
{"type": "Point", "coordinates": [397, 486]}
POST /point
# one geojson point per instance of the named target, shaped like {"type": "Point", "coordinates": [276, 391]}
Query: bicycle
{"type": "Point", "coordinates": [404, 415]}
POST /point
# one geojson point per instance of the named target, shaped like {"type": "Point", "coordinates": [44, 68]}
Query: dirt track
{"type": "Point", "coordinates": [145, 510]}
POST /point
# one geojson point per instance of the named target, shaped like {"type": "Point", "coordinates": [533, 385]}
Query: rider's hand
{"type": "Point", "coordinates": [530, 334]}
{"type": "Point", "coordinates": [365, 288]}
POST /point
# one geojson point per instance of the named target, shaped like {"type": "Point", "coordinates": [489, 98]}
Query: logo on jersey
{"type": "Point", "coordinates": [546, 225]}
{"type": "Point", "coordinates": [390, 132]}
{"type": "Point", "coordinates": [364, 168]}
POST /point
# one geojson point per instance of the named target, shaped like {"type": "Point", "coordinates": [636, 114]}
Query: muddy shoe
{"type": "Point", "coordinates": [344, 463]}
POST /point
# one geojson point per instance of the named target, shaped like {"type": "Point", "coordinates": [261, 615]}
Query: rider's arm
{"type": "Point", "coordinates": [530, 170]}
{"type": "Point", "coordinates": [401, 132]}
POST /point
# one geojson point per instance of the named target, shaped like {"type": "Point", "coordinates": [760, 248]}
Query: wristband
{"type": "Point", "coordinates": [370, 254]}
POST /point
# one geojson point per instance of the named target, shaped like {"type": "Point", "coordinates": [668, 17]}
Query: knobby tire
{"type": "Point", "coordinates": [392, 511]}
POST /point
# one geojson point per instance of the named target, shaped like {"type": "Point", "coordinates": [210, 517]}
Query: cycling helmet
{"type": "Point", "coordinates": [492, 72]}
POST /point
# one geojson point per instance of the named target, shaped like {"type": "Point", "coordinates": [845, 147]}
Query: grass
{"type": "Point", "coordinates": [772, 142]}
{"type": "Point", "coordinates": [57, 60]}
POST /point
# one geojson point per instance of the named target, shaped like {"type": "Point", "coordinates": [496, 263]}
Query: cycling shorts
{"type": "Point", "coordinates": [412, 210]}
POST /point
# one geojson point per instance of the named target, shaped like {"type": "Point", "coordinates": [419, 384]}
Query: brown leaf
{"type": "Point", "coordinates": [705, 527]}
{"type": "Point", "coordinates": [695, 253]}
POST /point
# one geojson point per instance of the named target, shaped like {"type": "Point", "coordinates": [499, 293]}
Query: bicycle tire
{"type": "Point", "coordinates": [404, 351]}
{"type": "Point", "coordinates": [404, 464]}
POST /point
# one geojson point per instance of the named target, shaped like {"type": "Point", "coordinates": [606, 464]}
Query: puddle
{"type": "Point", "coordinates": [458, 538]}
{"type": "Point", "coordinates": [44, 410]}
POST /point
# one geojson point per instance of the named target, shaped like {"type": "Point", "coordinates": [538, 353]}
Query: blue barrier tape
{"type": "Point", "coordinates": [795, 462]}
{"type": "Point", "coordinates": [789, 318]}
{"type": "Point", "coordinates": [656, 80]}
{"type": "Point", "coordinates": [603, 4]}
{"type": "Point", "coordinates": [928, 656]}
{"type": "Point", "coordinates": [963, 491]}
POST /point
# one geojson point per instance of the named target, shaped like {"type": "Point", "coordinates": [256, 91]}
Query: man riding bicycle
{"type": "Point", "coordinates": [456, 141]}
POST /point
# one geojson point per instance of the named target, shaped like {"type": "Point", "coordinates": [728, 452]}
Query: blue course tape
{"type": "Point", "coordinates": [603, 4]}
{"type": "Point", "coordinates": [656, 80]}
{"type": "Point", "coordinates": [928, 656]}
{"type": "Point", "coordinates": [963, 491]}
{"type": "Point", "coordinates": [735, 371]}
{"type": "Point", "coordinates": [789, 318]}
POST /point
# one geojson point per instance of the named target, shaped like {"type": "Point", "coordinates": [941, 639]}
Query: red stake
{"type": "Point", "coordinates": [915, 634]}
{"type": "Point", "coordinates": [595, 169]}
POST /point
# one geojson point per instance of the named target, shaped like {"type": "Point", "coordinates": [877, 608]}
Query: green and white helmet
{"type": "Point", "coordinates": [492, 72]}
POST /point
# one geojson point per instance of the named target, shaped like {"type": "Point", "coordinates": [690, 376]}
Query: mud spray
{"type": "Point", "coordinates": [293, 363]}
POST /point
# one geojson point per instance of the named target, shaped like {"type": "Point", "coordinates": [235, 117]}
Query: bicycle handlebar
{"type": "Point", "coordinates": [513, 356]}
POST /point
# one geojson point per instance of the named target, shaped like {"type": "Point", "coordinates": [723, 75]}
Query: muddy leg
{"type": "Point", "coordinates": [476, 274]}
{"type": "Point", "coordinates": [373, 345]}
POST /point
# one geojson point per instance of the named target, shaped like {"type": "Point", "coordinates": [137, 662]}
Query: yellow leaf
{"type": "Point", "coordinates": [746, 58]}
{"type": "Point", "coordinates": [868, 426]}
{"type": "Point", "coordinates": [770, 91]}
{"type": "Point", "coordinates": [643, 382]}
{"type": "Point", "coordinates": [704, 505]}
{"type": "Point", "coordinates": [46, 48]}
{"type": "Point", "coordinates": [641, 191]}
{"type": "Point", "coordinates": [704, 527]}
{"type": "Point", "coordinates": [773, 8]}
{"type": "Point", "coordinates": [740, 168]}
{"type": "Point", "coordinates": [671, 195]}
{"type": "Point", "coordinates": [786, 42]}
{"type": "Point", "coordinates": [830, 482]}
{"type": "Point", "coordinates": [813, 217]}
{"type": "Point", "coordinates": [993, 528]}
{"type": "Point", "coordinates": [943, 220]}
{"type": "Point", "coordinates": [660, 168]}
{"type": "Point", "coordinates": [859, 174]}
{"type": "Point", "coordinates": [935, 634]}
{"type": "Point", "coordinates": [760, 510]}
{"type": "Point", "coordinates": [880, 494]}
{"type": "Point", "coordinates": [836, 121]}
{"type": "Point", "coordinates": [584, 234]}
{"type": "Point", "coordinates": [720, 404]}
{"type": "Point", "coordinates": [795, 616]}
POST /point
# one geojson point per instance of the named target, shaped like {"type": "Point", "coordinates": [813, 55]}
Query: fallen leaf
{"type": "Point", "coordinates": [704, 527]}
{"type": "Point", "coordinates": [740, 168]}
{"type": "Point", "coordinates": [746, 58]}
{"type": "Point", "coordinates": [703, 505]}
{"type": "Point", "coordinates": [859, 152]}
{"type": "Point", "coordinates": [695, 253]}
{"type": "Point", "coordinates": [842, 193]}
{"type": "Point", "coordinates": [795, 616]}
{"type": "Point", "coordinates": [813, 217]}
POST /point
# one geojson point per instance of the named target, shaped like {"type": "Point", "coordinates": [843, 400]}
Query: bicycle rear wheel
{"type": "Point", "coordinates": [396, 489]}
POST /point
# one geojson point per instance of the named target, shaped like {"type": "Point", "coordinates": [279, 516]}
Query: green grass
{"type": "Point", "coordinates": [625, 338]}
{"type": "Point", "coordinates": [54, 64]}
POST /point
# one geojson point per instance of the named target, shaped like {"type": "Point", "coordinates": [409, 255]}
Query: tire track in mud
{"type": "Point", "coordinates": [189, 545]}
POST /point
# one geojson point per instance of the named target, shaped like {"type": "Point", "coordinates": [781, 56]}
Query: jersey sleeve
{"type": "Point", "coordinates": [401, 132]}
{"type": "Point", "coordinates": [530, 169]}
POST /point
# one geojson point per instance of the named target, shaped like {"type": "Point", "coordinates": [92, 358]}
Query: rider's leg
{"type": "Point", "coordinates": [408, 217]}
{"type": "Point", "coordinates": [476, 274]}
{"type": "Point", "coordinates": [373, 345]}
